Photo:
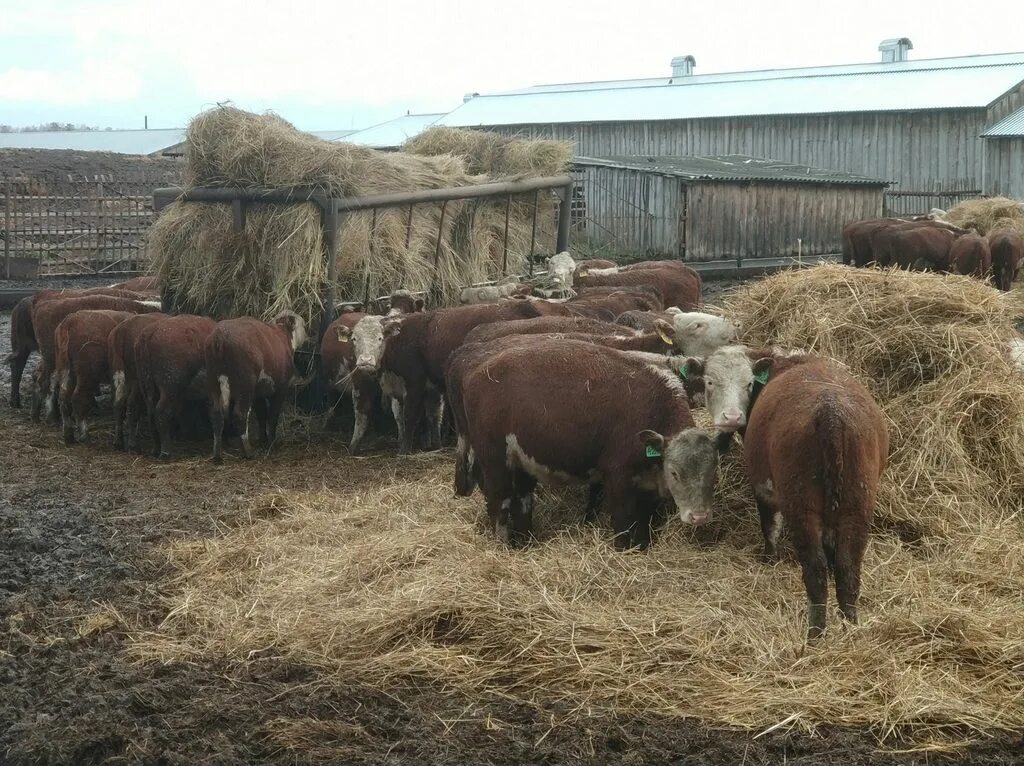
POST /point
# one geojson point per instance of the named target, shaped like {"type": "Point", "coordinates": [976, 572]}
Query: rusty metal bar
{"type": "Point", "coordinates": [332, 223]}
{"type": "Point", "coordinates": [440, 235]}
{"type": "Point", "coordinates": [504, 246]}
{"type": "Point", "coordinates": [533, 230]}
{"type": "Point", "coordinates": [366, 284]}
{"type": "Point", "coordinates": [7, 229]}
{"type": "Point", "coordinates": [564, 217]}
{"type": "Point", "coordinates": [238, 211]}
{"type": "Point", "coordinates": [408, 228]}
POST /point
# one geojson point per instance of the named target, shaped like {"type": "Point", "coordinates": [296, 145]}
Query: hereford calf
{"type": "Point", "coordinates": [678, 285]}
{"type": "Point", "coordinates": [170, 360]}
{"type": "Point", "coordinates": [127, 393]}
{"type": "Point", "coordinates": [969, 255]}
{"type": "Point", "coordinates": [1007, 249]}
{"type": "Point", "coordinates": [23, 336]}
{"type": "Point", "coordinates": [412, 364]}
{"type": "Point", "coordinates": [547, 324]}
{"type": "Point", "coordinates": [815, 445]}
{"type": "Point", "coordinates": [46, 315]}
{"type": "Point", "coordinates": [249, 366]}
{"type": "Point", "coordinates": [596, 266]}
{"type": "Point", "coordinates": [493, 293]}
{"type": "Point", "coordinates": [82, 366]}
{"type": "Point", "coordinates": [403, 302]}
{"type": "Point", "coordinates": [143, 285]}
{"type": "Point", "coordinates": [609, 307]}
{"type": "Point", "coordinates": [350, 353]}
{"type": "Point", "coordinates": [612, 418]}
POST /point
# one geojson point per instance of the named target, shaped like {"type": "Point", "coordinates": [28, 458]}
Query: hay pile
{"type": "Point", "coordinates": [392, 580]}
{"type": "Point", "coordinates": [492, 153]}
{"type": "Point", "coordinates": [988, 213]}
{"type": "Point", "coordinates": [277, 261]}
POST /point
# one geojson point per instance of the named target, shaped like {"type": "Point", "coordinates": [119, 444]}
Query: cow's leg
{"type": "Point", "coordinates": [151, 396]}
{"type": "Point", "coordinates": [771, 527]}
{"type": "Point", "coordinates": [625, 513]}
{"type": "Point", "coordinates": [465, 465]}
{"type": "Point", "coordinates": [132, 416]}
{"type": "Point", "coordinates": [165, 412]}
{"type": "Point", "coordinates": [433, 404]}
{"type": "Point", "coordinates": [521, 510]}
{"type": "Point", "coordinates": [806, 535]}
{"type": "Point", "coordinates": [851, 541]}
{"type": "Point", "coordinates": [38, 391]}
{"type": "Point", "coordinates": [67, 421]}
{"type": "Point", "coordinates": [274, 408]}
{"type": "Point", "coordinates": [413, 413]}
{"type": "Point", "coordinates": [260, 407]}
{"type": "Point", "coordinates": [397, 411]}
{"type": "Point", "coordinates": [240, 415]}
{"type": "Point", "coordinates": [361, 408]}
{"type": "Point", "coordinates": [52, 405]}
{"type": "Point", "coordinates": [120, 405]}
{"type": "Point", "coordinates": [217, 426]}
{"type": "Point", "coordinates": [18, 360]}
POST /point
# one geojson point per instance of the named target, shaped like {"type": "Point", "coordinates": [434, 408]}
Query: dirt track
{"type": "Point", "coordinates": [84, 526]}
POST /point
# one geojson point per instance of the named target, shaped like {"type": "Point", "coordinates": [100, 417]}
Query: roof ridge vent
{"type": "Point", "coordinates": [682, 66]}
{"type": "Point", "coordinates": [895, 49]}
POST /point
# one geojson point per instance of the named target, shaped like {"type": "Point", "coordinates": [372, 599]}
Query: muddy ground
{"type": "Point", "coordinates": [81, 533]}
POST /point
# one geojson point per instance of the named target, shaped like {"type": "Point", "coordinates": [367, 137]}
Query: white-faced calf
{"type": "Point", "coordinates": [612, 418]}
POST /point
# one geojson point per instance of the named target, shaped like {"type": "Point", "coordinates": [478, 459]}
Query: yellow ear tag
{"type": "Point", "coordinates": [663, 336]}
{"type": "Point", "coordinates": [342, 336]}
{"type": "Point", "coordinates": [584, 273]}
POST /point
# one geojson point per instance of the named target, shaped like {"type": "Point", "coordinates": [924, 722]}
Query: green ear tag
{"type": "Point", "coordinates": [761, 377]}
{"type": "Point", "coordinates": [653, 451]}
{"type": "Point", "coordinates": [684, 370]}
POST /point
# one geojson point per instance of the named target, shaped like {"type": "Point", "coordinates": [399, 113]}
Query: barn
{"type": "Point", "coordinates": [714, 208]}
{"type": "Point", "coordinates": [1004, 156]}
{"type": "Point", "coordinates": [917, 123]}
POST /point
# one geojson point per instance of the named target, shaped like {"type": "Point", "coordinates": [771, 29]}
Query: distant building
{"type": "Point", "coordinates": [940, 129]}
{"type": "Point", "coordinates": [392, 134]}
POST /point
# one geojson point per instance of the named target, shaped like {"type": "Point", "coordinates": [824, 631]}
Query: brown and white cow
{"type": "Point", "coordinates": [1007, 249]}
{"type": "Point", "coordinates": [46, 315]}
{"type": "Point", "coordinates": [612, 419]}
{"type": "Point", "coordinates": [404, 302]}
{"type": "Point", "coordinates": [82, 366]}
{"type": "Point", "coordinates": [969, 255]}
{"type": "Point", "coordinates": [494, 293]}
{"type": "Point", "coordinates": [815, 445]}
{"type": "Point", "coordinates": [546, 324]}
{"type": "Point", "coordinates": [693, 333]}
{"type": "Point", "coordinates": [249, 366]}
{"type": "Point", "coordinates": [412, 364]}
{"type": "Point", "coordinates": [171, 364]}
{"type": "Point", "coordinates": [127, 393]}
{"type": "Point", "coordinates": [143, 285]}
{"type": "Point", "coordinates": [679, 285]}
{"type": "Point", "coordinates": [607, 306]}
{"type": "Point", "coordinates": [350, 354]}
{"type": "Point", "coordinates": [23, 336]}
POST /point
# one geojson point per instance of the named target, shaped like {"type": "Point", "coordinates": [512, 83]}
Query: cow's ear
{"type": "Point", "coordinates": [664, 330]}
{"type": "Point", "coordinates": [691, 371]}
{"type": "Point", "coordinates": [653, 444]}
{"type": "Point", "coordinates": [418, 304]}
{"type": "Point", "coordinates": [723, 441]}
{"type": "Point", "coordinates": [344, 333]}
{"type": "Point", "coordinates": [762, 370]}
{"type": "Point", "coordinates": [391, 329]}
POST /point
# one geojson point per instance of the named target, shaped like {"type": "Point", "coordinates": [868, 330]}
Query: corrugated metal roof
{"type": "Point", "coordinates": [731, 167]}
{"type": "Point", "coordinates": [1008, 127]}
{"type": "Point", "coordinates": [117, 141]}
{"type": "Point", "coordinates": [952, 83]}
{"type": "Point", "coordinates": [393, 133]}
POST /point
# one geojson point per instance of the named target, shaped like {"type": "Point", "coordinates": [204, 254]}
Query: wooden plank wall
{"type": "Point", "coordinates": [765, 220]}
{"type": "Point", "coordinates": [629, 212]}
{"type": "Point", "coordinates": [1005, 172]}
{"type": "Point", "coordinates": [926, 151]}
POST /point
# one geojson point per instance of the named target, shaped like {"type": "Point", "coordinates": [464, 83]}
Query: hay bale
{"type": "Point", "coordinates": [493, 154]}
{"type": "Point", "coordinates": [988, 213]}
{"type": "Point", "coordinates": [278, 260]}
{"type": "Point", "coordinates": [391, 579]}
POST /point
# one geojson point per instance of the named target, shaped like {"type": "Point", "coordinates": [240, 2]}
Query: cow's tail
{"type": "Point", "coordinates": [828, 425]}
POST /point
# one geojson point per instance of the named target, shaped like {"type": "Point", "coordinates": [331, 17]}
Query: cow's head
{"type": "Point", "coordinates": [731, 378]}
{"type": "Point", "coordinates": [403, 302]}
{"type": "Point", "coordinates": [689, 466]}
{"type": "Point", "coordinates": [294, 327]}
{"type": "Point", "coordinates": [560, 270]}
{"type": "Point", "coordinates": [698, 334]}
{"type": "Point", "coordinates": [368, 338]}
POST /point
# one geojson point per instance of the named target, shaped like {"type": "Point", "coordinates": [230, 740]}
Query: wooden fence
{"type": "Point", "coordinates": [63, 226]}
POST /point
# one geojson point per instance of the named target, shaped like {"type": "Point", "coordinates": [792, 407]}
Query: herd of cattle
{"type": "Point", "coordinates": [929, 243]}
{"type": "Point", "coordinates": [597, 389]}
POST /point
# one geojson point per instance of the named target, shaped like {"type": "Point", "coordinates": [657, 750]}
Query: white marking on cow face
{"type": "Point", "coordinates": [690, 468]}
{"type": "Point", "coordinates": [728, 384]}
{"type": "Point", "coordinates": [698, 334]}
{"type": "Point", "coordinates": [368, 342]}
{"type": "Point", "coordinates": [516, 457]}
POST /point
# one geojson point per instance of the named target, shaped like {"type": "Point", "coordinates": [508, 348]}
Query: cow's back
{"type": "Point", "coordinates": [48, 314]}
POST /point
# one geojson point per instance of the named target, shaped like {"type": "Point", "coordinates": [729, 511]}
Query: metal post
{"type": "Point", "coordinates": [440, 234]}
{"type": "Point", "coordinates": [408, 227]}
{"type": "Point", "coordinates": [533, 231]}
{"type": "Point", "coordinates": [564, 215]}
{"type": "Point", "coordinates": [331, 222]}
{"type": "Point", "coordinates": [7, 228]}
{"type": "Point", "coordinates": [504, 247]}
{"type": "Point", "coordinates": [366, 268]}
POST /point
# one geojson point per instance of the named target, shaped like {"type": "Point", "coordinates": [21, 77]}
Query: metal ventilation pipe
{"type": "Point", "coordinates": [895, 49]}
{"type": "Point", "coordinates": [682, 66]}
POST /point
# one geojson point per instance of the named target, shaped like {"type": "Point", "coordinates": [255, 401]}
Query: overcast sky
{"type": "Point", "coordinates": [332, 64]}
